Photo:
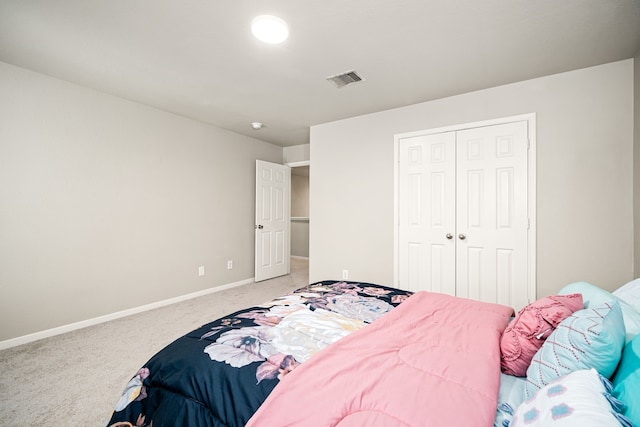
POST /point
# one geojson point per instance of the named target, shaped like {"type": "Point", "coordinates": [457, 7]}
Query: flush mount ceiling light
{"type": "Point", "coordinates": [269, 29]}
{"type": "Point", "coordinates": [257, 125]}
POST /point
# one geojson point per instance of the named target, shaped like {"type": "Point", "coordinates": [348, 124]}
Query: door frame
{"type": "Point", "coordinates": [292, 165]}
{"type": "Point", "coordinates": [298, 164]}
{"type": "Point", "coordinates": [530, 118]}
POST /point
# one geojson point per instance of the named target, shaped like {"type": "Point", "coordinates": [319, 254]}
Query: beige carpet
{"type": "Point", "coordinates": [75, 379]}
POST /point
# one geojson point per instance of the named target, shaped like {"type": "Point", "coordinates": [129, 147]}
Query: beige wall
{"type": "Point", "coordinates": [636, 162]}
{"type": "Point", "coordinates": [299, 195]}
{"type": "Point", "coordinates": [584, 177]}
{"type": "Point", "coordinates": [296, 153]}
{"type": "Point", "coordinates": [300, 238]}
{"type": "Point", "coordinates": [106, 204]}
{"type": "Point", "coordinates": [300, 208]}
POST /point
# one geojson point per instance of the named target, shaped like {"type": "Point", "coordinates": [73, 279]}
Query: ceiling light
{"type": "Point", "coordinates": [269, 29]}
{"type": "Point", "coordinates": [256, 125]}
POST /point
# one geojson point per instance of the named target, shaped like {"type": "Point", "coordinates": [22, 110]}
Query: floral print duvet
{"type": "Point", "coordinates": [433, 361]}
{"type": "Point", "coordinates": [219, 374]}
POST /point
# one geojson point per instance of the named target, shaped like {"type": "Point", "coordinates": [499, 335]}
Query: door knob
{"type": "Point", "coordinates": [462, 237]}
{"type": "Point", "coordinates": [259, 227]}
{"type": "Point", "coordinates": [449, 236]}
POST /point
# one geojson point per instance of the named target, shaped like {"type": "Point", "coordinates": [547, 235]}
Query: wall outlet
{"type": "Point", "coordinates": [201, 271]}
{"type": "Point", "coordinates": [345, 274]}
{"type": "Point", "coordinates": [229, 265]}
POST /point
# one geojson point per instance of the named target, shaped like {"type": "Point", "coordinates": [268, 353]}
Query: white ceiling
{"type": "Point", "coordinates": [198, 58]}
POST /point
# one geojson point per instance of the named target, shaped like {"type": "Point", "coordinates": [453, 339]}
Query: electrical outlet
{"type": "Point", "coordinates": [345, 274]}
{"type": "Point", "coordinates": [229, 265]}
{"type": "Point", "coordinates": [201, 271]}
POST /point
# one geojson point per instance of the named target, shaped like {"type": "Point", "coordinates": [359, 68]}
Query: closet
{"type": "Point", "coordinates": [463, 211]}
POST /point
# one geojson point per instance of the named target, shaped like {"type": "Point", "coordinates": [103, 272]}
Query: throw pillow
{"type": "Point", "coordinates": [575, 400]}
{"type": "Point", "coordinates": [626, 381]}
{"type": "Point", "coordinates": [593, 295]}
{"type": "Point", "coordinates": [589, 338]}
{"type": "Point", "coordinates": [527, 332]}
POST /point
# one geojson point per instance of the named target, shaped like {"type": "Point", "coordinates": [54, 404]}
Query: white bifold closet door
{"type": "Point", "coordinates": [462, 212]}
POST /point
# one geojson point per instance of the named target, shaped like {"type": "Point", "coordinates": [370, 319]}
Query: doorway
{"type": "Point", "coordinates": [300, 172]}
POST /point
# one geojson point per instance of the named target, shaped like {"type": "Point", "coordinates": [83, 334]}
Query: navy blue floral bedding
{"type": "Point", "coordinates": [219, 374]}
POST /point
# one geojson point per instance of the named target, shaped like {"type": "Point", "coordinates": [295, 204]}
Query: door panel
{"type": "Point", "coordinates": [427, 213]}
{"type": "Point", "coordinates": [492, 213]}
{"type": "Point", "coordinates": [273, 200]}
{"type": "Point", "coordinates": [469, 286]}
{"type": "Point", "coordinates": [438, 268]}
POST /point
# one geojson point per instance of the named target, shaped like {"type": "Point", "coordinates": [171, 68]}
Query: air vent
{"type": "Point", "coordinates": [344, 79]}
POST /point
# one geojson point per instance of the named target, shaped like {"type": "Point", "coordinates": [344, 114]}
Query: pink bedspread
{"type": "Point", "coordinates": [432, 361]}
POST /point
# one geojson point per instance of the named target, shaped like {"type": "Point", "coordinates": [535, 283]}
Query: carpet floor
{"type": "Point", "coordinates": [76, 378]}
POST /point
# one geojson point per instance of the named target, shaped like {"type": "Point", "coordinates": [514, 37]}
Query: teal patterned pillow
{"type": "Point", "coordinates": [626, 381]}
{"type": "Point", "coordinates": [593, 295]}
{"type": "Point", "coordinates": [589, 338]}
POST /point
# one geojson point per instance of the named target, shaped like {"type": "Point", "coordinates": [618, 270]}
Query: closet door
{"type": "Point", "coordinates": [426, 213]}
{"type": "Point", "coordinates": [463, 213]}
{"type": "Point", "coordinates": [491, 214]}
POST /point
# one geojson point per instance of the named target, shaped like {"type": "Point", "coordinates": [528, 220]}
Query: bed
{"type": "Point", "coordinates": [338, 353]}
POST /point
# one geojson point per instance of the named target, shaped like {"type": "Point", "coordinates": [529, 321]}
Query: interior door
{"type": "Point", "coordinates": [273, 215]}
{"type": "Point", "coordinates": [426, 214]}
{"type": "Point", "coordinates": [491, 210]}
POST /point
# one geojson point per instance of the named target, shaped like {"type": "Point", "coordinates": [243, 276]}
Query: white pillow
{"type": "Point", "coordinates": [630, 293]}
{"type": "Point", "coordinates": [575, 400]}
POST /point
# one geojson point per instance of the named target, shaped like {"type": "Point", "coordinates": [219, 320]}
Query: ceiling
{"type": "Point", "coordinates": [198, 59]}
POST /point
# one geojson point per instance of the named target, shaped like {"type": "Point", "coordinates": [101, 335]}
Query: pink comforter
{"type": "Point", "coordinates": [432, 361]}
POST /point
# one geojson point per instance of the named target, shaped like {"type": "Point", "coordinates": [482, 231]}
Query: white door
{"type": "Point", "coordinates": [427, 196]}
{"type": "Point", "coordinates": [492, 218]}
{"type": "Point", "coordinates": [463, 213]}
{"type": "Point", "coordinates": [273, 205]}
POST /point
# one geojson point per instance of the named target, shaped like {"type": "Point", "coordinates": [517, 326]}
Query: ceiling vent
{"type": "Point", "coordinates": [344, 79]}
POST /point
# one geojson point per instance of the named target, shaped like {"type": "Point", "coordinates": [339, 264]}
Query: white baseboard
{"type": "Point", "coordinates": [300, 257]}
{"type": "Point", "coordinates": [13, 342]}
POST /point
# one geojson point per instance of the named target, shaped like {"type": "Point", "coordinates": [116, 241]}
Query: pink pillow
{"type": "Point", "coordinates": [533, 324]}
